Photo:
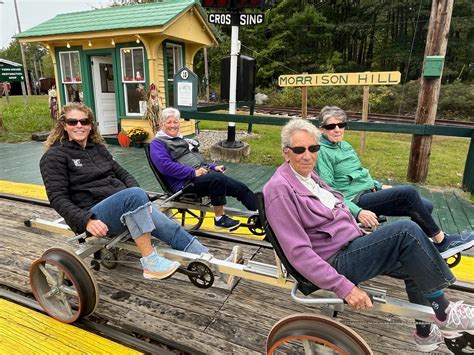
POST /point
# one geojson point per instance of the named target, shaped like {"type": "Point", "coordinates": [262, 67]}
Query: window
{"type": "Point", "coordinates": [174, 62]}
{"type": "Point", "coordinates": [71, 76]}
{"type": "Point", "coordinates": [133, 78]}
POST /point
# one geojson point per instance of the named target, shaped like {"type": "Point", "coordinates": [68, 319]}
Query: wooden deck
{"type": "Point", "coordinates": [212, 321]}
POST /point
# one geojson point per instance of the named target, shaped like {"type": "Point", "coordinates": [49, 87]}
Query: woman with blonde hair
{"type": "Point", "coordinates": [93, 193]}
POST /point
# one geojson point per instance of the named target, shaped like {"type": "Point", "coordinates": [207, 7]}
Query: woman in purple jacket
{"type": "Point", "coordinates": [177, 158]}
{"type": "Point", "coordinates": [323, 242]}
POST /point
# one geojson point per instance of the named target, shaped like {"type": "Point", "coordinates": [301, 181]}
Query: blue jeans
{"type": "Point", "coordinates": [217, 186]}
{"type": "Point", "coordinates": [400, 250]}
{"type": "Point", "coordinates": [402, 200]}
{"type": "Point", "coordinates": [132, 209]}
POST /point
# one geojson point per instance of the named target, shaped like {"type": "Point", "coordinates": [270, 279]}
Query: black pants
{"type": "Point", "coordinates": [217, 186]}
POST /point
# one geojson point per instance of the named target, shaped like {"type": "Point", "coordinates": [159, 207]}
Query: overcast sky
{"type": "Point", "coordinates": [34, 12]}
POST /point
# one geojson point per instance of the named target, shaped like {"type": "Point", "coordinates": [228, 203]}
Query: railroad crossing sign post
{"type": "Point", "coordinates": [235, 18]}
{"type": "Point", "coordinates": [364, 79]}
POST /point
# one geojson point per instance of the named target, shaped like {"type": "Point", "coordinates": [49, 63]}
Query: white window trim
{"type": "Point", "coordinates": [73, 77]}
{"type": "Point", "coordinates": [175, 46]}
{"type": "Point", "coordinates": [125, 82]}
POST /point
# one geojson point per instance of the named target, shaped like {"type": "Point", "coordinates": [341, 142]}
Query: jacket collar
{"type": "Point", "coordinates": [326, 142]}
{"type": "Point", "coordinates": [75, 145]}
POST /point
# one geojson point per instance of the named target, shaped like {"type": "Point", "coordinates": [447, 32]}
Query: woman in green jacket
{"type": "Point", "coordinates": [340, 167]}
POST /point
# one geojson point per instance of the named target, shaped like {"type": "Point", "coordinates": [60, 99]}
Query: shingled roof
{"type": "Point", "coordinates": [111, 18]}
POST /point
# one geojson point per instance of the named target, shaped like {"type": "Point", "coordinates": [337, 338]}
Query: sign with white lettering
{"type": "Point", "coordinates": [333, 79]}
{"type": "Point", "coordinates": [11, 73]}
{"type": "Point", "coordinates": [235, 19]}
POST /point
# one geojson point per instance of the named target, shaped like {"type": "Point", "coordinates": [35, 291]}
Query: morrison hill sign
{"type": "Point", "coordinates": [332, 79]}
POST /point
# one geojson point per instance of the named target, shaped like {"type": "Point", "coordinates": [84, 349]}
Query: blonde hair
{"type": "Point", "coordinates": [58, 134]}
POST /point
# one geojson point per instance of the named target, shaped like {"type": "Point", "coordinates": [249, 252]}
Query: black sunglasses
{"type": "Point", "coordinates": [331, 126]}
{"type": "Point", "coordinates": [301, 150]}
{"type": "Point", "coordinates": [73, 121]}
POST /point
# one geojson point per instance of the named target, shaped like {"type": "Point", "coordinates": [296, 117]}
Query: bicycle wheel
{"type": "Point", "coordinates": [314, 334]}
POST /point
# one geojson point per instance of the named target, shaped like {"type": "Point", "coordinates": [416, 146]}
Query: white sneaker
{"type": "Point", "coordinates": [236, 256]}
{"type": "Point", "coordinates": [460, 318]}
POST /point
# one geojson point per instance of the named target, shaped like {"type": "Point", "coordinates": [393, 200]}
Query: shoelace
{"type": "Point", "coordinates": [458, 312]}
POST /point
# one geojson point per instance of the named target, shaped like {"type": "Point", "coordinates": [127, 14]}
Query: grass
{"type": "Point", "coordinates": [20, 120]}
{"type": "Point", "coordinates": [386, 155]}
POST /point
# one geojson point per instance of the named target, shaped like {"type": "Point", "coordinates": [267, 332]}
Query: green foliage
{"type": "Point", "coordinates": [20, 121]}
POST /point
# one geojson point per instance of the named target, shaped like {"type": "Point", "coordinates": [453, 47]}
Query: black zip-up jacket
{"type": "Point", "coordinates": [76, 179]}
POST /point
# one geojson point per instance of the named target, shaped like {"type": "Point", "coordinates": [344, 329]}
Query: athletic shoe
{"type": "Point", "coordinates": [460, 317]}
{"type": "Point", "coordinates": [157, 267]}
{"type": "Point", "coordinates": [431, 342]}
{"type": "Point", "coordinates": [455, 243]}
{"type": "Point", "coordinates": [236, 256]}
{"type": "Point", "coordinates": [227, 223]}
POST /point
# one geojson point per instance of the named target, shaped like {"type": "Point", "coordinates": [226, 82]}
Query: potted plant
{"type": "Point", "coordinates": [137, 135]}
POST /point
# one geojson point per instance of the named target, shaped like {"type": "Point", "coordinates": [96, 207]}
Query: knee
{"type": "Point", "coordinates": [413, 231]}
{"type": "Point", "coordinates": [138, 196]}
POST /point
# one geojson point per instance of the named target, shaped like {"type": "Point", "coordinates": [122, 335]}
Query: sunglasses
{"type": "Point", "coordinates": [301, 150]}
{"type": "Point", "coordinates": [331, 126]}
{"type": "Point", "coordinates": [73, 121]}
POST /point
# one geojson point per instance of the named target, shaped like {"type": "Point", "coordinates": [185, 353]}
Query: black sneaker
{"type": "Point", "coordinates": [227, 223]}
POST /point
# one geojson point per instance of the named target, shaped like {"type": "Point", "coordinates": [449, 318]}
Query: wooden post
{"type": "Point", "coordinates": [304, 101]}
{"type": "Point", "coordinates": [436, 43]}
{"type": "Point", "coordinates": [365, 118]}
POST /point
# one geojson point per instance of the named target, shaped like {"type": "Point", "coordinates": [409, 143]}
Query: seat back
{"type": "Point", "coordinates": [158, 175]}
{"type": "Point", "coordinates": [305, 286]}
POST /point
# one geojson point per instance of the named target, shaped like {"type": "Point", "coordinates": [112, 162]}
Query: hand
{"type": "Point", "coordinates": [386, 187]}
{"type": "Point", "coordinates": [358, 299]}
{"type": "Point", "coordinates": [97, 227]}
{"type": "Point", "coordinates": [200, 171]}
{"type": "Point", "coordinates": [220, 168]}
{"type": "Point", "coordinates": [368, 218]}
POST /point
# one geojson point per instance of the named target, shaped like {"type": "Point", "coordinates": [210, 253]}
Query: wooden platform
{"type": "Point", "coordinates": [212, 321]}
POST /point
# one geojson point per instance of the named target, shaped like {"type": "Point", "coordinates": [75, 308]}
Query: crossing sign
{"type": "Point", "coordinates": [11, 73]}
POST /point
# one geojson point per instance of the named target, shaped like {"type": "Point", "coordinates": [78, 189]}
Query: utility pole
{"type": "Point", "coordinates": [27, 78]}
{"type": "Point", "coordinates": [436, 44]}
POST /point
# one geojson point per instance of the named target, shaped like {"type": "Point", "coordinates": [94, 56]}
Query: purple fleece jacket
{"type": "Point", "coordinates": [177, 174]}
{"type": "Point", "coordinates": [308, 231]}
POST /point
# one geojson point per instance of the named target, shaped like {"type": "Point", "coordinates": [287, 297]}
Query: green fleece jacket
{"type": "Point", "coordinates": [340, 167]}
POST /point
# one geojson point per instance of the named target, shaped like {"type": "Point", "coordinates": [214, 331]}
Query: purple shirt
{"type": "Point", "coordinates": [177, 174]}
{"type": "Point", "coordinates": [308, 231]}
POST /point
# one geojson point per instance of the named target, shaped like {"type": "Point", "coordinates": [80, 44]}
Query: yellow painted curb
{"type": "Point", "coordinates": [21, 189]}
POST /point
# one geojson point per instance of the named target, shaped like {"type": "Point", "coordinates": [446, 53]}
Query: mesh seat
{"type": "Point", "coordinates": [304, 286]}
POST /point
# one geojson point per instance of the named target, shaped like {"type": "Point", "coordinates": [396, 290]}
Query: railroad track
{"type": "Point", "coordinates": [354, 116]}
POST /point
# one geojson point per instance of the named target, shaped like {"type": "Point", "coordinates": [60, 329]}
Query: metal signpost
{"type": "Point", "coordinates": [235, 18]}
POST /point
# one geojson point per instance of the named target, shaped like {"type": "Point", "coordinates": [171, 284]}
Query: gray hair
{"type": "Point", "coordinates": [168, 112]}
{"type": "Point", "coordinates": [331, 111]}
{"type": "Point", "coordinates": [298, 124]}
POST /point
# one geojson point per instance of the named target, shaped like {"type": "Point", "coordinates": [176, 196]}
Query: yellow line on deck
{"type": "Point", "coordinates": [464, 271]}
{"type": "Point", "coordinates": [24, 331]}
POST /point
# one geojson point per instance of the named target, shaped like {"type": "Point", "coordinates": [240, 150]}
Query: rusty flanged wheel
{"type": "Point", "coordinates": [314, 334]}
{"type": "Point", "coordinates": [453, 260]}
{"type": "Point", "coordinates": [205, 278]}
{"type": "Point", "coordinates": [188, 219]}
{"type": "Point", "coordinates": [63, 285]}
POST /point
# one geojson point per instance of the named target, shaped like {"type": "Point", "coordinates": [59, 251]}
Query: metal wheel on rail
{"type": "Point", "coordinates": [314, 334]}
{"type": "Point", "coordinates": [63, 285]}
{"type": "Point", "coordinates": [188, 219]}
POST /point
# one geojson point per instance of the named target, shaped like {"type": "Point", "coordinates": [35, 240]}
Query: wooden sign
{"type": "Point", "coordinates": [333, 79]}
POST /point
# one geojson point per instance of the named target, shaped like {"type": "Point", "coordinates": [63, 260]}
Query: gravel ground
{"type": "Point", "coordinates": [211, 137]}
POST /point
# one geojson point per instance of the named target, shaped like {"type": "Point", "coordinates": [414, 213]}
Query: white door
{"type": "Point", "coordinates": [104, 94]}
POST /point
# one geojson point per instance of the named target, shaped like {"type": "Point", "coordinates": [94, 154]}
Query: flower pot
{"type": "Point", "coordinates": [137, 144]}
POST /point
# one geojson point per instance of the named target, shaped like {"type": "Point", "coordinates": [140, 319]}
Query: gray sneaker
{"type": "Point", "coordinates": [431, 342]}
{"type": "Point", "coordinates": [460, 318]}
{"type": "Point", "coordinates": [236, 256]}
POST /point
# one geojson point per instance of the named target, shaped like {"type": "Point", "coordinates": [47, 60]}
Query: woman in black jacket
{"type": "Point", "coordinates": [93, 193]}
